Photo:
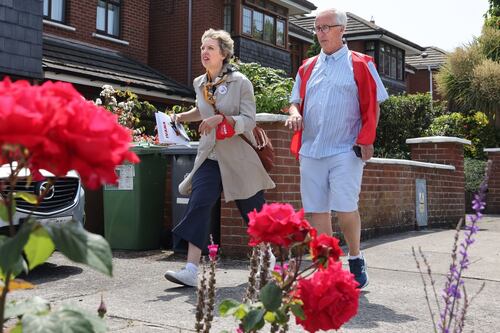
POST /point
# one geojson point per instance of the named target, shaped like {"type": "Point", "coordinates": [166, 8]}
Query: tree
{"type": "Point", "coordinates": [492, 16]}
{"type": "Point", "coordinates": [315, 48]}
{"type": "Point", "coordinates": [470, 78]}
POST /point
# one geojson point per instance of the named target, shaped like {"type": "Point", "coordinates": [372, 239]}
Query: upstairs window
{"type": "Point", "coordinates": [108, 17]}
{"type": "Point", "coordinates": [228, 16]}
{"type": "Point", "coordinates": [391, 62]}
{"type": "Point", "coordinates": [266, 22]}
{"type": "Point", "coordinates": [54, 10]}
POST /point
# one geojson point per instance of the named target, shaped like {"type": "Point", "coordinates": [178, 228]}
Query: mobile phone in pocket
{"type": "Point", "coordinates": [357, 151]}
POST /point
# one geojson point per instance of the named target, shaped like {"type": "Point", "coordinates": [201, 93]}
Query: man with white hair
{"type": "Point", "coordinates": [334, 112]}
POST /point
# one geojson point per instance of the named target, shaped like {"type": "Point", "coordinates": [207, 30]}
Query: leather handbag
{"type": "Point", "coordinates": [264, 147]}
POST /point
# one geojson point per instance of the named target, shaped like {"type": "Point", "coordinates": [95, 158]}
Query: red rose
{"type": "Point", "coordinates": [277, 224]}
{"type": "Point", "coordinates": [330, 298]}
{"type": "Point", "coordinates": [324, 247]}
{"type": "Point", "coordinates": [62, 131]}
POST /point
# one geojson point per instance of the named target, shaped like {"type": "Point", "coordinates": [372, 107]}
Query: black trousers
{"type": "Point", "coordinates": [206, 191]}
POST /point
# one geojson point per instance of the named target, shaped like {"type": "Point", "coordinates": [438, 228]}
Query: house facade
{"type": "Point", "coordinates": [399, 61]}
{"type": "Point", "coordinates": [260, 29]}
{"type": "Point", "coordinates": [148, 46]}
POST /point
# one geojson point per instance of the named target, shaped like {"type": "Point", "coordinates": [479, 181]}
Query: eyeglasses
{"type": "Point", "coordinates": [325, 28]}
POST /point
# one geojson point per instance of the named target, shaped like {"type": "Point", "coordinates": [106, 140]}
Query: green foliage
{"type": "Point", "coordinates": [81, 246]}
{"type": "Point", "coordinates": [31, 246]}
{"type": "Point", "coordinates": [403, 117]}
{"type": "Point", "coordinates": [492, 16]}
{"type": "Point", "coordinates": [132, 113]}
{"type": "Point", "coordinates": [272, 88]}
{"type": "Point", "coordinates": [470, 78]}
{"type": "Point", "coordinates": [191, 128]}
{"type": "Point", "coordinates": [489, 43]}
{"type": "Point", "coordinates": [315, 48]}
{"type": "Point", "coordinates": [474, 127]}
{"type": "Point", "coordinates": [474, 174]}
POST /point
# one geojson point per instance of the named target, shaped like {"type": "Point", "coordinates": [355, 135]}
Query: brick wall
{"type": "Point", "coordinates": [21, 38]}
{"type": "Point", "coordinates": [387, 200]}
{"type": "Point", "coordinates": [81, 15]}
{"type": "Point", "coordinates": [169, 35]}
{"type": "Point", "coordinates": [493, 194]}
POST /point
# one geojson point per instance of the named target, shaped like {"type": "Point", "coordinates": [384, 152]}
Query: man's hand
{"type": "Point", "coordinates": [207, 125]}
{"type": "Point", "coordinates": [294, 121]}
{"type": "Point", "coordinates": [366, 152]}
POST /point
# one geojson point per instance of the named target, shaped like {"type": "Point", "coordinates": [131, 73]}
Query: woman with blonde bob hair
{"type": "Point", "coordinates": [225, 104]}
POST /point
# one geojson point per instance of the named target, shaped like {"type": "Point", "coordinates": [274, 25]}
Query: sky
{"type": "Point", "coordinates": [446, 24]}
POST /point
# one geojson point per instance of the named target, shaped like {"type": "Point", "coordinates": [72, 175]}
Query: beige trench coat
{"type": "Point", "coordinates": [241, 170]}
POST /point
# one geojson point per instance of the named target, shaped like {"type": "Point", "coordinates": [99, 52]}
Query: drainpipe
{"type": "Point", "coordinates": [189, 41]}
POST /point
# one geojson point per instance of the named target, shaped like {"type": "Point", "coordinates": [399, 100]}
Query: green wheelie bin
{"type": "Point", "coordinates": [134, 208]}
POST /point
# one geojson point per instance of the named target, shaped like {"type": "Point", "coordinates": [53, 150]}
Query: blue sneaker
{"type": "Point", "coordinates": [358, 268]}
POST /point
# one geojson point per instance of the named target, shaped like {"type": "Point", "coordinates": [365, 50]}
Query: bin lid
{"type": "Point", "coordinates": [146, 148]}
{"type": "Point", "coordinates": [192, 149]}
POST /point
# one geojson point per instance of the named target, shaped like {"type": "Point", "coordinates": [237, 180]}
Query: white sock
{"type": "Point", "coordinates": [192, 267]}
{"type": "Point", "coordinates": [359, 256]}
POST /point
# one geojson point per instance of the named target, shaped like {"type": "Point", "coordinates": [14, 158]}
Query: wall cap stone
{"type": "Point", "coordinates": [438, 139]}
{"type": "Point", "coordinates": [270, 117]}
{"type": "Point", "coordinates": [377, 160]}
{"type": "Point", "coordinates": [492, 150]}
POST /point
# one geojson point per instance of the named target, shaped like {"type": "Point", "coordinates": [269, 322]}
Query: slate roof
{"type": "Point", "coordinates": [299, 32]}
{"type": "Point", "coordinates": [356, 27]}
{"type": "Point", "coordinates": [436, 57]}
{"type": "Point", "coordinates": [91, 65]}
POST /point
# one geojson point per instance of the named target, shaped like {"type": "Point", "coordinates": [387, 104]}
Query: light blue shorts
{"type": "Point", "coordinates": [331, 183]}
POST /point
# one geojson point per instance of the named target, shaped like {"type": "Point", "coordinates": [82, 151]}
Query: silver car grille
{"type": "Point", "coordinates": [64, 195]}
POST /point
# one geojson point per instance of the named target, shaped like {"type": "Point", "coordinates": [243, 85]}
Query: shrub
{"type": "Point", "coordinates": [403, 117]}
{"type": "Point", "coordinates": [272, 88]}
{"type": "Point", "coordinates": [475, 128]}
{"type": "Point", "coordinates": [474, 173]}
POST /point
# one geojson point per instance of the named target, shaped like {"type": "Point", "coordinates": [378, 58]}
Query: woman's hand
{"type": "Point", "coordinates": [176, 117]}
{"type": "Point", "coordinates": [208, 124]}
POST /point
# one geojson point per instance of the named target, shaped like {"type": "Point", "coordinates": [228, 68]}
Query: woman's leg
{"type": "Point", "coordinates": [194, 226]}
{"type": "Point", "coordinates": [245, 206]}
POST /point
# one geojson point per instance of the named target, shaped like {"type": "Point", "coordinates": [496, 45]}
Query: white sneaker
{"type": "Point", "coordinates": [183, 277]}
{"type": "Point", "coordinates": [272, 261]}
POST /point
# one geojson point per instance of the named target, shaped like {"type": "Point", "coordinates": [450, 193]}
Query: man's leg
{"type": "Point", "coordinates": [322, 222]}
{"type": "Point", "coordinates": [350, 225]}
{"type": "Point", "coordinates": [345, 181]}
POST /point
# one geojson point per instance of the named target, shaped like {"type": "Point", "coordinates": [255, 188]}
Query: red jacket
{"type": "Point", "coordinates": [367, 92]}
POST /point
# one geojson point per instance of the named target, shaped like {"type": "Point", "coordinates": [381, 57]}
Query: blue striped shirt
{"type": "Point", "coordinates": [332, 119]}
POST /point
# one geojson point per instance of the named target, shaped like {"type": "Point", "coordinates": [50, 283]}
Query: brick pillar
{"type": "Point", "coordinates": [443, 150]}
{"type": "Point", "coordinates": [234, 238]}
{"type": "Point", "coordinates": [493, 195]}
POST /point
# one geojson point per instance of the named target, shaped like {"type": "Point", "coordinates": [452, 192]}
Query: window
{"type": "Point", "coordinates": [262, 24]}
{"type": "Point", "coordinates": [280, 33]}
{"type": "Point", "coordinates": [370, 49]}
{"type": "Point", "coordinates": [247, 21]}
{"type": "Point", "coordinates": [258, 25]}
{"type": "Point", "coordinates": [228, 16]}
{"type": "Point", "coordinates": [108, 17]}
{"type": "Point", "coordinates": [268, 29]}
{"type": "Point", "coordinates": [54, 10]}
{"type": "Point", "coordinates": [391, 62]}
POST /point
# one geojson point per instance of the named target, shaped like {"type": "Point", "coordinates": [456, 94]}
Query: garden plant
{"type": "Point", "coordinates": [52, 127]}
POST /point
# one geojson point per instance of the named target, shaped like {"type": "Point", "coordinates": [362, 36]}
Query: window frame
{"type": "Point", "coordinates": [390, 61]}
{"type": "Point", "coordinates": [253, 7]}
{"type": "Point", "coordinates": [117, 3]}
{"type": "Point", "coordinates": [49, 11]}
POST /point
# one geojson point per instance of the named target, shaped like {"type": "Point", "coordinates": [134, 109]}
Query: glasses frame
{"type": "Point", "coordinates": [325, 28]}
